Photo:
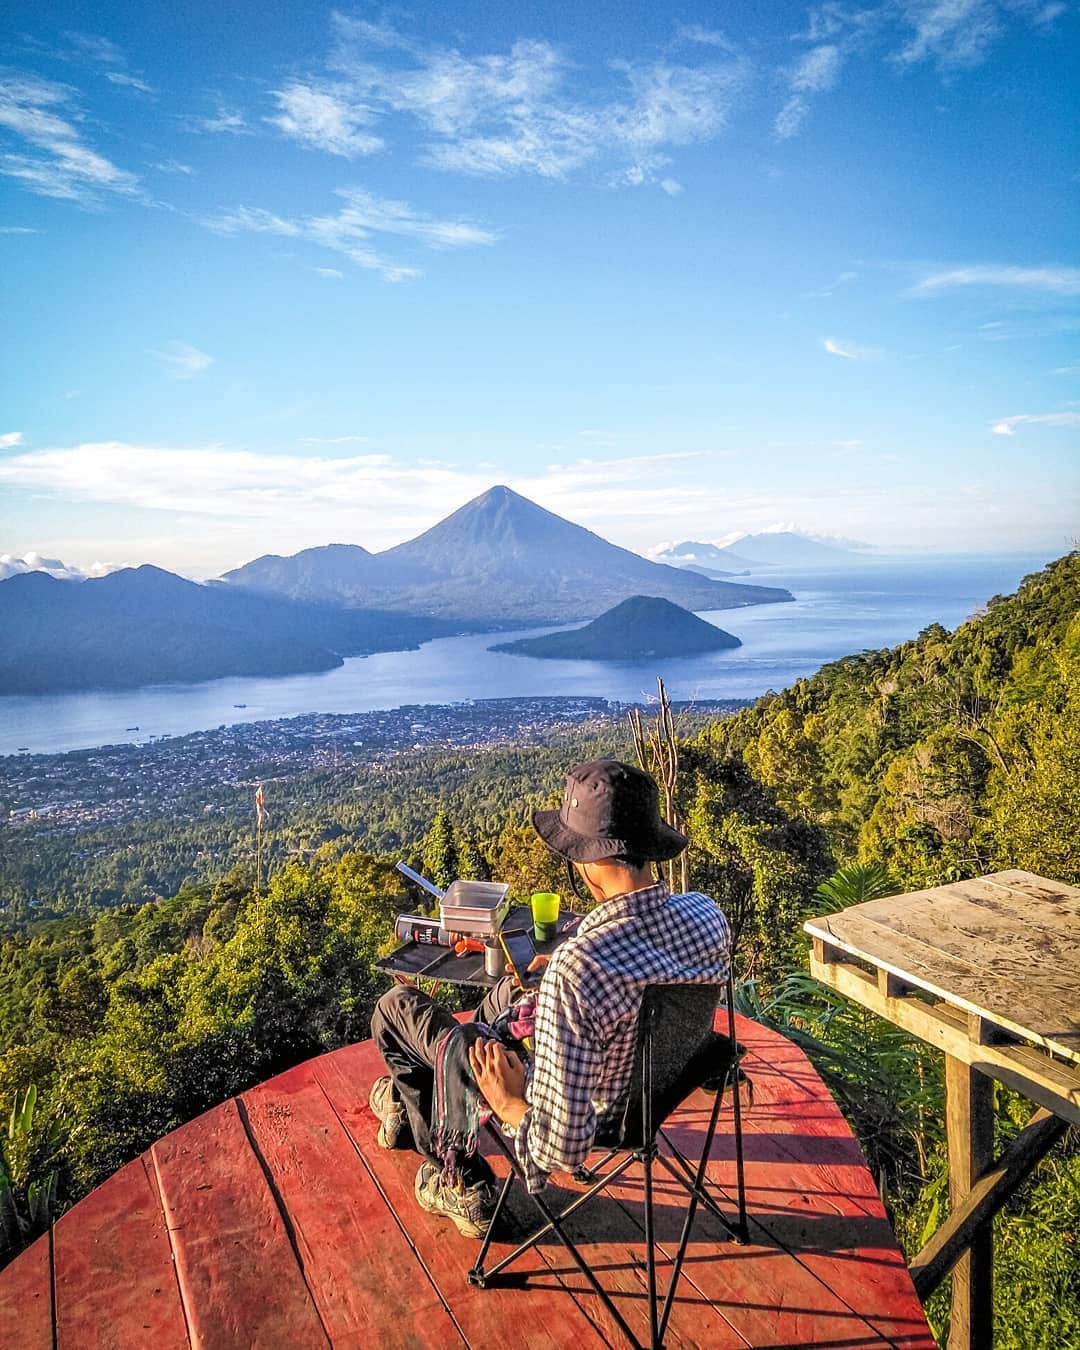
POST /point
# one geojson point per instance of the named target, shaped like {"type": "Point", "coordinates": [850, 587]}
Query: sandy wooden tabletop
{"type": "Point", "coordinates": [1005, 947]}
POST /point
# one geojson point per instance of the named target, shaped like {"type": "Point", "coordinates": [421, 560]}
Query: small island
{"type": "Point", "coordinates": [639, 628]}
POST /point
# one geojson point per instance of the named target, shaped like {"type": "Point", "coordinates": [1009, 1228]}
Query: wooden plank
{"type": "Point", "coordinates": [984, 1199]}
{"type": "Point", "coordinates": [969, 1127]}
{"type": "Point", "coordinates": [26, 1303]}
{"type": "Point", "coordinates": [1012, 1003]}
{"type": "Point", "coordinates": [1039, 889]}
{"type": "Point", "coordinates": [486, 1317]}
{"type": "Point", "coordinates": [1009, 926]}
{"type": "Point", "coordinates": [115, 1279]}
{"type": "Point", "coordinates": [346, 1237]}
{"type": "Point", "coordinates": [1030, 1072]}
{"type": "Point", "coordinates": [1002, 935]}
{"type": "Point", "coordinates": [239, 1278]}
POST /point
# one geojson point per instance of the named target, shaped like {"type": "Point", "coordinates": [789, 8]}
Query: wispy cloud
{"type": "Point", "coordinates": [330, 273]}
{"type": "Point", "coordinates": [95, 48]}
{"type": "Point", "coordinates": [127, 81]}
{"type": "Point", "coordinates": [816, 73]}
{"type": "Point", "coordinates": [955, 33]}
{"type": "Point", "coordinates": [54, 161]}
{"type": "Point", "coordinates": [10, 438]}
{"type": "Point", "coordinates": [226, 121]}
{"type": "Point", "coordinates": [959, 34]}
{"type": "Point", "coordinates": [173, 166]}
{"type": "Point", "coordinates": [849, 350]}
{"type": "Point", "coordinates": [17, 229]}
{"type": "Point", "coordinates": [326, 118]}
{"type": "Point", "coordinates": [1058, 280]}
{"type": "Point", "coordinates": [351, 230]}
{"type": "Point", "coordinates": [529, 109]}
{"type": "Point", "coordinates": [181, 361]}
{"type": "Point", "coordinates": [376, 496]}
{"type": "Point", "coordinates": [1007, 426]}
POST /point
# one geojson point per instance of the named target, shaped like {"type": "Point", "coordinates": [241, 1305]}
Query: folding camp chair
{"type": "Point", "coordinates": [677, 1051]}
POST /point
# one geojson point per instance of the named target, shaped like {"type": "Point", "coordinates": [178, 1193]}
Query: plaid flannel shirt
{"type": "Point", "coordinates": [587, 1012]}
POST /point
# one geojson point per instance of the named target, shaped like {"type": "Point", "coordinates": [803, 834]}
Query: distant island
{"type": "Point", "coordinates": [641, 627]}
{"type": "Point", "coordinates": [751, 552]}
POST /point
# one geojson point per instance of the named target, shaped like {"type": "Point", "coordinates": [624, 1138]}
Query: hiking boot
{"type": "Point", "coordinates": [470, 1207]}
{"type": "Point", "coordinates": [393, 1122]}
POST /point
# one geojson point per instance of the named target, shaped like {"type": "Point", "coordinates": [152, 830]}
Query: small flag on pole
{"type": "Point", "coordinates": [260, 808]}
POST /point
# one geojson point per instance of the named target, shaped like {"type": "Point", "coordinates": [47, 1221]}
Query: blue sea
{"type": "Point", "coordinates": [874, 603]}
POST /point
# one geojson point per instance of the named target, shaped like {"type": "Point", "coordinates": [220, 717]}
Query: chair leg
{"type": "Point", "coordinates": [476, 1274]}
{"type": "Point", "coordinates": [650, 1250]}
{"type": "Point", "coordinates": [739, 1174]}
{"type": "Point", "coordinates": [555, 1222]}
{"type": "Point", "coordinates": [551, 1224]}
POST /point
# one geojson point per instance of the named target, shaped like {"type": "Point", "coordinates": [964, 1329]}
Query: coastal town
{"type": "Point", "coordinates": [199, 774]}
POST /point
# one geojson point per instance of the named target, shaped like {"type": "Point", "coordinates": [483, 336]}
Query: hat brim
{"type": "Point", "coordinates": [665, 843]}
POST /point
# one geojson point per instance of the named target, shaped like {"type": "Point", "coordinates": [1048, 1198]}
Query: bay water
{"type": "Point", "coordinates": [873, 603]}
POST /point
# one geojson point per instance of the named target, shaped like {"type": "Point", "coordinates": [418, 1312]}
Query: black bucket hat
{"type": "Point", "coordinates": [610, 810]}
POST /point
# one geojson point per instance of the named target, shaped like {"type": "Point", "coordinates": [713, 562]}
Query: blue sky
{"type": "Point", "coordinates": [276, 276]}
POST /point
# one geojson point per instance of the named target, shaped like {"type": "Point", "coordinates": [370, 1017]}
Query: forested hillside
{"type": "Point", "coordinates": [948, 756]}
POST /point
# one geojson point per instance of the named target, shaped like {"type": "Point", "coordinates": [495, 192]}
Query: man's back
{"type": "Point", "coordinates": [587, 1012]}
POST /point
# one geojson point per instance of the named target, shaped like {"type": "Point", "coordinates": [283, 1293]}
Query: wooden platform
{"type": "Point", "coordinates": [275, 1220]}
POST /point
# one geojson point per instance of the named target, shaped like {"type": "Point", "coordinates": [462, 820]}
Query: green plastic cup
{"type": "Point", "coordinates": [545, 912]}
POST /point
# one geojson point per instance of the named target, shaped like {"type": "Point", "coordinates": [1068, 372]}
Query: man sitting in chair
{"type": "Point", "coordinates": [587, 1004]}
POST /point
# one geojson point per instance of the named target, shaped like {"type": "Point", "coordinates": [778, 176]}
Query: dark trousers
{"type": "Point", "coordinates": [407, 1026]}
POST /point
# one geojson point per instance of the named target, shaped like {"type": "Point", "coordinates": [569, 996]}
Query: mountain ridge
{"type": "Point", "coordinates": [145, 625]}
{"type": "Point", "coordinates": [502, 559]}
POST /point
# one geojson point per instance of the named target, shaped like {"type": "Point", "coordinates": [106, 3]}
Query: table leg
{"type": "Point", "coordinates": [969, 1122]}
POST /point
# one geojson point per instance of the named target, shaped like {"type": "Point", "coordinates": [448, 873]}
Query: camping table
{"type": "Point", "coordinates": [419, 960]}
{"type": "Point", "coordinates": [987, 971]}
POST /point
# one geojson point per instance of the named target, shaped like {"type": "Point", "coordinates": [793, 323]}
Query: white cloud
{"type": "Point", "coordinates": [816, 73]}
{"type": "Point", "coordinates": [331, 273]}
{"type": "Point", "coordinates": [1007, 426]}
{"type": "Point", "coordinates": [181, 361]}
{"type": "Point", "coordinates": [849, 351]}
{"type": "Point", "coordinates": [952, 32]}
{"type": "Point", "coordinates": [671, 186]}
{"type": "Point", "coordinates": [58, 164]}
{"type": "Point", "coordinates": [128, 81]}
{"type": "Point", "coordinates": [225, 120]}
{"type": "Point", "coordinates": [95, 48]}
{"type": "Point", "coordinates": [372, 498]}
{"type": "Point", "coordinates": [10, 438]}
{"type": "Point", "coordinates": [12, 565]}
{"type": "Point", "coordinates": [1058, 280]}
{"type": "Point", "coordinates": [174, 166]}
{"type": "Point", "coordinates": [326, 118]}
{"type": "Point", "coordinates": [17, 229]}
{"type": "Point", "coordinates": [226, 503]}
{"type": "Point", "coordinates": [528, 109]}
{"type": "Point", "coordinates": [351, 229]}
{"type": "Point", "coordinates": [849, 445]}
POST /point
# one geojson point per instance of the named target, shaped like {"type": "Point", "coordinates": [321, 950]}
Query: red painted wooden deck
{"type": "Point", "coordinates": [275, 1220]}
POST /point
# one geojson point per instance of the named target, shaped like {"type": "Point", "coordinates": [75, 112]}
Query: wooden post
{"type": "Point", "coordinates": [969, 1121]}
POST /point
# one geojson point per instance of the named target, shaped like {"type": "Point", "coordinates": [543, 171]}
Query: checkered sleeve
{"type": "Point", "coordinates": [557, 1131]}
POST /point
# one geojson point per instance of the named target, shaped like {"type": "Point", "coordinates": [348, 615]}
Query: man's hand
{"type": "Point", "coordinates": [500, 1076]}
{"type": "Point", "coordinates": [536, 966]}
